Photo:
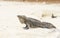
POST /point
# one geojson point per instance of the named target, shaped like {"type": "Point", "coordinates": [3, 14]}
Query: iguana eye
{"type": "Point", "coordinates": [21, 20]}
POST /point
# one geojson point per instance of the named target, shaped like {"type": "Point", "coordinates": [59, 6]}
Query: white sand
{"type": "Point", "coordinates": [10, 27]}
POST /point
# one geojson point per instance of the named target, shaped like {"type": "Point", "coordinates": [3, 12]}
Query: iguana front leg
{"type": "Point", "coordinates": [27, 26]}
